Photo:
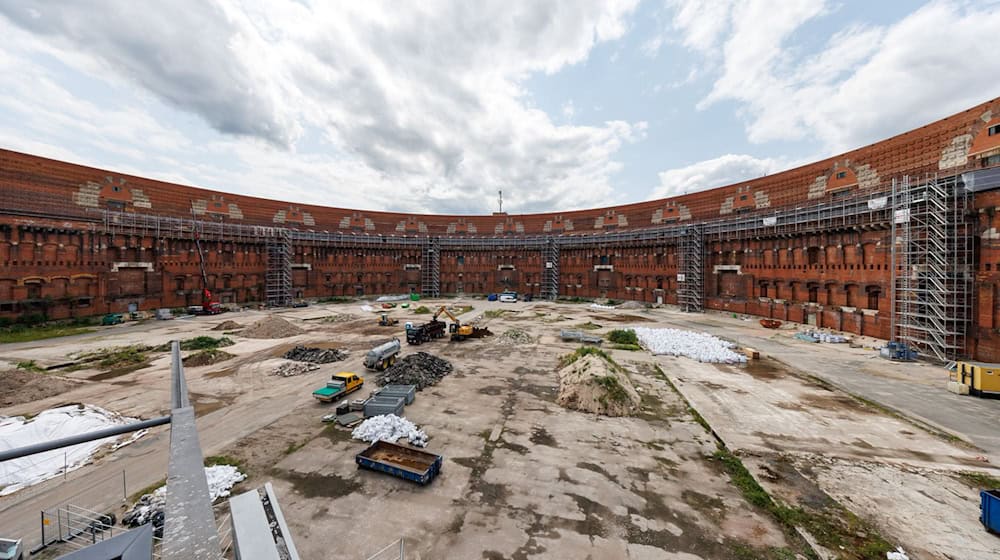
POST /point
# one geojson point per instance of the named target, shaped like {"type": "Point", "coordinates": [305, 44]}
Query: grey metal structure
{"type": "Point", "coordinates": [550, 270]}
{"type": "Point", "coordinates": [189, 530]}
{"type": "Point", "coordinates": [258, 527]}
{"type": "Point", "coordinates": [430, 269]}
{"type": "Point", "coordinates": [279, 269]}
{"type": "Point", "coordinates": [691, 269]}
{"type": "Point", "coordinates": [933, 276]}
{"type": "Point", "coordinates": [136, 544]}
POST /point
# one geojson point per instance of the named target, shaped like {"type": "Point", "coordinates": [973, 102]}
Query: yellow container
{"type": "Point", "coordinates": [983, 379]}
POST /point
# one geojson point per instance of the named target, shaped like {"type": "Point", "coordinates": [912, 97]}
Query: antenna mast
{"type": "Point", "coordinates": [501, 200]}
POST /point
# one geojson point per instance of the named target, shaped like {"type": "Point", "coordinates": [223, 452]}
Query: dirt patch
{"type": "Point", "coordinates": [18, 387]}
{"type": "Point", "coordinates": [313, 485]}
{"type": "Point", "coordinates": [622, 318]}
{"type": "Point", "coordinates": [592, 384]}
{"type": "Point", "coordinates": [271, 327]}
{"type": "Point", "coordinates": [206, 358]}
{"type": "Point", "coordinates": [763, 369]}
{"type": "Point", "coordinates": [117, 372]}
{"type": "Point", "coordinates": [834, 401]}
{"type": "Point", "coordinates": [227, 326]}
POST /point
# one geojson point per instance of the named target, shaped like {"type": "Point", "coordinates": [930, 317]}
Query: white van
{"type": "Point", "coordinates": [508, 297]}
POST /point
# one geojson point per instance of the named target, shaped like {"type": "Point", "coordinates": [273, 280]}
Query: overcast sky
{"type": "Point", "coordinates": [433, 106]}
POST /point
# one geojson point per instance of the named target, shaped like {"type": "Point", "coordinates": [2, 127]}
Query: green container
{"type": "Point", "coordinates": [414, 297]}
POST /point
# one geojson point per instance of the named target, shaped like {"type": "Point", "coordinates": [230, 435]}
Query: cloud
{"type": "Point", "coordinates": [419, 106]}
{"type": "Point", "coordinates": [864, 84]}
{"type": "Point", "coordinates": [717, 172]}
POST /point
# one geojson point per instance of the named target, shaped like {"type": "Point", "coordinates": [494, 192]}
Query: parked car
{"type": "Point", "coordinates": [300, 303]}
{"type": "Point", "coordinates": [11, 549]}
{"type": "Point", "coordinates": [110, 319]}
{"type": "Point", "coordinates": [491, 297]}
{"type": "Point", "coordinates": [508, 297]}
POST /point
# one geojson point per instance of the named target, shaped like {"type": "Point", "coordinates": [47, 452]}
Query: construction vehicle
{"type": "Point", "coordinates": [208, 305]}
{"type": "Point", "coordinates": [426, 332]}
{"type": "Point", "coordinates": [400, 461]}
{"type": "Point", "coordinates": [383, 355]}
{"type": "Point", "coordinates": [385, 321]}
{"type": "Point", "coordinates": [339, 385]}
{"type": "Point", "coordinates": [459, 331]}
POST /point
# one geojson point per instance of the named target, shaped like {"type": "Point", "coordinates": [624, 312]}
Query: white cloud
{"type": "Point", "coordinates": [865, 84]}
{"type": "Point", "coordinates": [416, 106]}
{"type": "Point", "coordinates": [717, 172]}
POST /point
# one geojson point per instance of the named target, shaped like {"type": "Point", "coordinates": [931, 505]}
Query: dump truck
{"type": "Point", "coordinates": [400, 461]}
{"type": "Point", "coordinates": [384, 320]}
{"type": "Point", "coordinates": [425, 332]}
{"type": "Point", "coordinates": [383, 355]}
{"type": "Point", "coordinates": [339, 385]}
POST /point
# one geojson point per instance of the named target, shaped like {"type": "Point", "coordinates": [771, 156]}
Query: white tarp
{"type": "Point", "coordinates": [55, 423]}
{"type": "Point", "coordinates": [877, 203]}
{"type": "Point", "coordinates": [770, 221]}
{"type": "Point", "coordinates": [389, 427]}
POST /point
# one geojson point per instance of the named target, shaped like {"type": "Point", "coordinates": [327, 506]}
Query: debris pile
{"type": "Point", "coordinates": [827, 337]}
{"type": "Point", "coordinates": [227, 326]}
{"type": "Point", "coordinates": [697, 346]}
{"type": "Point", "coordinates": [271, 327]}
{"type": "Point", "coordinates": [206, 358]}
{"type": "Point", "coordinates": [594, 384]}
{"type": "Point", "coordinates": [315, 355]}
{"type": "Point", "coordinates": [599, 306]}
{"type": "Point", "coordinates": [632, 304]}
{"type": "Point", "coordinates": [515, 337]}
{"type": "Point", "coordinates": [149, 508]}
{"type": "Point", "coordinates": [420, 369]}
{"type": "Point", "coordinates": [390, 428]}
{"type": "Point", "coordinates": [291, 369]}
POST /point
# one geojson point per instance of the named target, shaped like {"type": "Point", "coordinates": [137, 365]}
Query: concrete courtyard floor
{"type": "Point", "coordinates": [525, 478]}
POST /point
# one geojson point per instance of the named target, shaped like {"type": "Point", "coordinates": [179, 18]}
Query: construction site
{"type": "Point", "coordinates": [797, 366]}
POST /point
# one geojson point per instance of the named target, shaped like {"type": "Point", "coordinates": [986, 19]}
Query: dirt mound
{"type": "Point", "coordinates": [515, 337]}
{"type": "Point", "coordinates": [206, 358]}
{"type": "Point", "coordinates": [315, 355]}
{"type": "Point", "coordinates": [290, 369]}
{"type": "Point", "coordinates": [420, 369]}
{"type": "Point", "coordinates": [592, 384]}
{"type": "Point", "coordinates": [17, 386]}
{"type": "Point", "coordinates": [227, 326]}
{"type": "Point", "coordinates": [632, 305]}
{"type": "Point", "coordinates": [271, 327]}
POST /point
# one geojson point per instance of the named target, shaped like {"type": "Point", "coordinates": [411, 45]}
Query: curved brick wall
{"type": "Point", "coordinates": [56, 258]}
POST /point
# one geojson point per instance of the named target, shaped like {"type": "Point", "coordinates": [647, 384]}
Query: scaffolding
{"type": "Point", "coordinates": [430, 269]}
{"type": "Point", "coordinates": [550, 270]}
{"type": "Point", "coordinates": [690, 279]}
{"type": "Point", "coordinates": [279, 269]}
{"type": "Point", "coordinates": [934, 262]}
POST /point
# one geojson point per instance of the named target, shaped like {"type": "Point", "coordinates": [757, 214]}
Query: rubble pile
{"type": "Point", "coordinates": [697, 346]}
{"type": "Point", "coordinates": [390, 428]}
{"type": "Point", "coordinates": [291, 369]}
{"type": "Point", "coordinates": [593, 384]}
{"type": "Point", "coordinates": [420, 369]}
{"type": "Point", "coordinates": [227, 326]}
{"type": "Point", "coordinates": [339, 318]}
{"type": "Point", "coordinates": [515, 337]}
{"type": "Point", "coordinates": [149, 508]}
{"type": "Point", "coordinates": [271, 327]}
{"type": "Point", "coordinates": [315, 355]}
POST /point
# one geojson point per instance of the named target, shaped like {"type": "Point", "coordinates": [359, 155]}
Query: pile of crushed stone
{"type": "Point", "coordinates": [515, 337]}
{"type": "Point", "coordinates": [697, 346]}
{"type": "Point", "coordinates": [227, 326]}
{"type": "Point", "coordinates": [420, 369]}
{"type": "Point", "coordinates": [592, 384]}
{"type": "Point", "coordinates": [291, 369]}
{"type": "Point", "coordinates": [391, 428]}
{"type": "Point", "coordinates": [339, 318]}
{"type": "Point", "coordinates": [271, 327]}
{"type": "Point", "coordinates": [315, 355]}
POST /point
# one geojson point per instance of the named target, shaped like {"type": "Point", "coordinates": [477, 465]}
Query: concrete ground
{"type": "Point", "coordinates": [525, 478]}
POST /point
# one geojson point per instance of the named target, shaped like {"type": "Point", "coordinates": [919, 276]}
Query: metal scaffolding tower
{"type": "Point", "coordinates": [279, 269]}
{"type": "Point", "coordinates": [690, 280]}
{"type": "Point", "coordinates": [430, 270]}
{"type": "Point", "coordinates": [550, 270]}
{"type": "Point", "coordinates": [934, 260]}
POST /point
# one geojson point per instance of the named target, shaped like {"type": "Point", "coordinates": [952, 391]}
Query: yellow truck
{"type": "Point", "coordinates": [341, 384]}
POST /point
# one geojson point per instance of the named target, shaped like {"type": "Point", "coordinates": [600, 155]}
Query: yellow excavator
{"type": "Point", "coordinates": [384, 320]}
{"type": "Point", "coordinates": [459, 331]}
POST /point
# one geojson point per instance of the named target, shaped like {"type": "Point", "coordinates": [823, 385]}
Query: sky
{"type": "Point", "coordinates": [435, 106]}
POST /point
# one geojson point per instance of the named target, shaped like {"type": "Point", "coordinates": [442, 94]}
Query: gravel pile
{"type": "Point", "coordinates": [515, 337]}
{"type": "Point", "coordinates": [420, 369]}
{"type": "Point", "coordinates": [291, 369]}
{"type": "Point", "coordinates": [391, 428]}
{"type": "Point", "coordinates": [315, 355]}
{"type": "Point", "coordinates": [339, 318]}
{"type": "Point", "coordinates": [227, 326]}
{"type": "Point", "coordinates": [271, 327]}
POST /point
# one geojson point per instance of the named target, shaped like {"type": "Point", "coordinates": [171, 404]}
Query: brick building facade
{"type": "Point", "coordinates": [66, 248]}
